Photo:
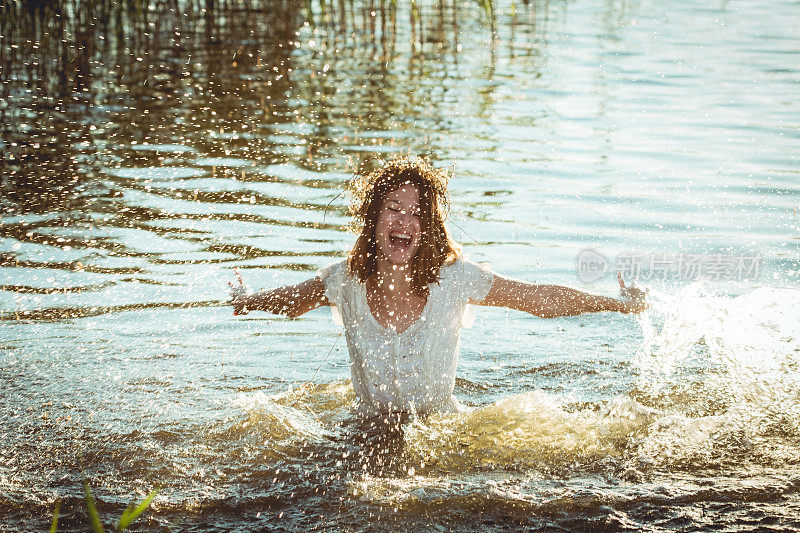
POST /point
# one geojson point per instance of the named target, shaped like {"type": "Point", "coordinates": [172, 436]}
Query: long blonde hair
{"type": "Point", "coordinates": [436, 247]}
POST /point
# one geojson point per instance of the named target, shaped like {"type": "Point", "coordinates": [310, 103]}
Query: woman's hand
{"type": "Point", "coordinates": [239, 295]}
{"type": "Point", "coordinates": [635, 299]}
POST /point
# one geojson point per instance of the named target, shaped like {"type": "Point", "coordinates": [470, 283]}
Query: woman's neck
{"type": "Point", "coordinates": [391, 278]}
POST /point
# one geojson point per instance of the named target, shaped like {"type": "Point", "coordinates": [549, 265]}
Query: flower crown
{"type": "Point", "coordinates": [364, 185]}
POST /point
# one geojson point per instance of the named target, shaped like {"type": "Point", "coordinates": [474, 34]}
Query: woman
{"type": "Point", "coordinates": [403, 291]}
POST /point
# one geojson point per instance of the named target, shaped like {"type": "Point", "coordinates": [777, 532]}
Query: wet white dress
{"type": "Point", "coordinates": [415, 370]}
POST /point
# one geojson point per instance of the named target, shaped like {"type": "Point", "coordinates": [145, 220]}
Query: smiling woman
{"type": "Point", "coordinates": [398, 228]}
{"type": "Point", "coordinates": [400, 211]}
{"type": "Point", "coordinates": [403, 291]}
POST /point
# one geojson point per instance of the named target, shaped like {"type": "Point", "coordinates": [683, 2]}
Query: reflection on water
{"type": "Point", "coordinates": [149, 148]}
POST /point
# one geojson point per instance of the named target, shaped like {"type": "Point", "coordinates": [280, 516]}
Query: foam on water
{"type": "Point", "coordinates": [725, 371]}
{"type": "Point", "coordinates": [717, 393]}
{"type": "Point", "coordinates": [529, 431]}
{"type": "Point", "coordinates": [308, 412]}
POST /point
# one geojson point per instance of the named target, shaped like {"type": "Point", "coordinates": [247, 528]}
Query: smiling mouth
{"type": "Point", "coordinates": [402, 240]}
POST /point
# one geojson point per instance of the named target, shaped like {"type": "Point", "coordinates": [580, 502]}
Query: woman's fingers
{"type": "Point", "coordinates": [634, 294]}
{"type": "Point", "coordinates": [241, 289]}
{"type": "Point", "coordinates": [622, 288]}
{"type": "Point", "coordinates": [239, 293]}
{"type": "Point", "coordinates": [636, 297]}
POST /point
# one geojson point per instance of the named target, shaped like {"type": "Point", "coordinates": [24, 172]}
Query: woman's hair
{"type": "Point", "coordinates": [368, 191]}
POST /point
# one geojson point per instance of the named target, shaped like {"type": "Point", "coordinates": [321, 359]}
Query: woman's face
{"type": "Point", "coordinates": [398, 230]}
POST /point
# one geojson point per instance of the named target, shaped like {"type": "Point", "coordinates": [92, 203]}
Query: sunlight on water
{"type": "Point", "coordinates": [177, 143]}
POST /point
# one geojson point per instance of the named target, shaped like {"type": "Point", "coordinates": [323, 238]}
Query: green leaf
{"type": "Point", "coordinates": [94, 518]}
{"type": "Point", "coordinates": [54, 527]}
{"type": "Point", "coordinates": [131, 514]}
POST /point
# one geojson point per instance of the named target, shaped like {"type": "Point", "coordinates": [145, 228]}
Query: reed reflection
{"type": "Point", "coordinates": [82, 82]}
{"type": "Point", "coordinates": [130, 124]}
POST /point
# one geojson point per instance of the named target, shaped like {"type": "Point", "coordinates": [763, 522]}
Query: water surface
{"type": "Point", "coordinates": [147, 153]}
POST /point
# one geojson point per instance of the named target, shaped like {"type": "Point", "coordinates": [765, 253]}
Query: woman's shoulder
{"type": "Point", "coordinates": [465, 273]}
{"type": "Point", "coordinates": [338, 263]}
{"type": "Point", "coordinates": [454, 268]}
{"type": "Point", "coordinates": [338, 282]}
{"type": "Point", "coordinates": [457, 264]}
{"type": "Point", "coordinates": [337, 270]}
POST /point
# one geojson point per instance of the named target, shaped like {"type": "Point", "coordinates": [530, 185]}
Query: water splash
{"type": "Point", "coordinates": [724, 369]}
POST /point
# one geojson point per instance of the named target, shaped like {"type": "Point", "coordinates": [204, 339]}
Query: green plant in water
{"type": "Point", "coordinates": [54, 527]}
{"type": "Point", "coordinates": [94, 517]}
{"type": "Point", "coordinates": [128, 516]}
{"type": "Point", "coordinates": [131, 513]}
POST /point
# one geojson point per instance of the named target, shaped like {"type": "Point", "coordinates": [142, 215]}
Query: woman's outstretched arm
{"type": "Point", "coordinates": [548, 301]}
{"type": "Point", "coordinates": [290, 300]}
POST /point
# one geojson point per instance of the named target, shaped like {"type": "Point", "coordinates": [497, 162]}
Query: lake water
{"type": "Point", "coordinates": [148, 153]}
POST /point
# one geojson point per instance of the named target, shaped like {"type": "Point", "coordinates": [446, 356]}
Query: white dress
{"type": "Point", "coordinates": [415, 370]}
